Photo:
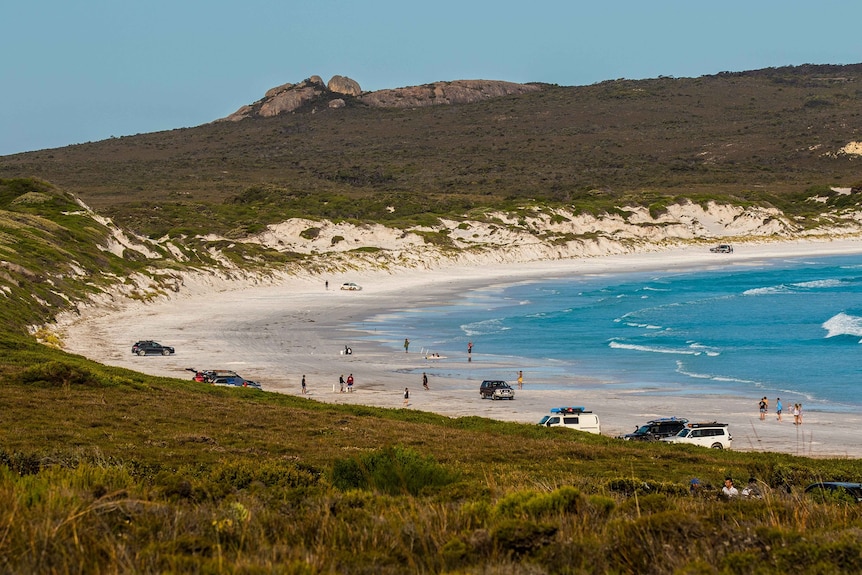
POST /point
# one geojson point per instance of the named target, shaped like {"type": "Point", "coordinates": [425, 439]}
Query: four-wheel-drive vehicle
{"type": "Point", "coordinates": [657, 429]}
{"type": "Point", "coordinates": [713, 434]}
{"type": "Point", "coordinates": [496, 389]}
{"type": "Point", "coordinates": [150, 347]}
{"type": "Point", "coordinates": [350, 286]}
{"type": "Point", "coordinates": [572, 418]}
{"type": "Point", "coordinates": [722, 249]}
{"type": "Point", "coordinates": [222, 377]}
{"type": "Point", "coordinates": [835, 491]}
{"type": "Point", "coordinates": [235, 381]}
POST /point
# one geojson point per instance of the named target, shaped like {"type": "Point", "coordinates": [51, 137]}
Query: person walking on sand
{"type": "Point", "coordinates": [800, 413]}
{"type": "Point", "coordinates": [350, 383]}
{"type": "Point", "coordinates": [341, 383]}
{"type": "Point", "coordinates": [406, 397]}
{"type": "Point", "coordinates": [778, 407]}
{"type": "Point", "coordinates": [520, 380]}
{"type": "Point", "coordinates": [425, 380]}
{"type": "Point", "coordinates": [406, 344]}
{"type": "Point", "coordinates": [795, 413]}
{"type": "Point", "coordinates": [764, 405]}
{"type": "Point", "coordinates": [303, 385]}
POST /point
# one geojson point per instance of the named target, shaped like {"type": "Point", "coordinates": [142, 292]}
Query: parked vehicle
{"type": "Point", "coordinates": [715, 435]}
{"type": "Point", "coordinates": [350, 286]}
{"type": "Point", "coordinates": [236, 382]}
{"type": "Point", "coordinates": [496, 389]}
{"type": "Point", "coordinates": [150, 347]}
{"type": "Point", "coordinates": [657, 429]}
{"type": "Point", "coordinates": [222, 377]}
{"type": "Point", "coordinates": [572, 418]}
{"type": "Point", "coordinates": [835, 490]}
{"type": "Point", "coordinates": [722, 249]}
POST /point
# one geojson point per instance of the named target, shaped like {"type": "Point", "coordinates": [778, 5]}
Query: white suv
{"type": "Point", "coordinates": [715, 435]}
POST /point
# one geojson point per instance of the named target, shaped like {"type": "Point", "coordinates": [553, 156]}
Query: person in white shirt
{"type": "Point", "coordinates": [729, 490]}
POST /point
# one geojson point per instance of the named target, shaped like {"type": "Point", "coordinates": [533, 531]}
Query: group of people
{"type": "Point", "coordinates": [729, 490]}
{"type": "Point", "coordinates": [779, 409]}
{"type": "Point", "coordinates": [349, 383]}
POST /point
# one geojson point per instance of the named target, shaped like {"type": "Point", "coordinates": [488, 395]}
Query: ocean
{"type": "Point", "coordinates": [782, 328]}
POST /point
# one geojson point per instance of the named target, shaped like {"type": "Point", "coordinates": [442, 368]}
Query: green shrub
{"type": "Point", "coordinates": [394, 470]}
{"type": "Point", "coordinates": [518, 537]}
{"type": "Point", "coordinates": [536, 505]}
{"type": "Point", "coordinates": [310, 233]}
{"type": "Point", "coordinates": [58, 374]}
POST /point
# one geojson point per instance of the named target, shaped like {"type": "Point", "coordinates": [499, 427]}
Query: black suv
{"type": "Point", "coordinates": [496, 389]}
{"type": "Point", "coordinates": [657, 429]}
{"type": "Point", "coordinates": [836, 490]}
{"type": "Point", "coordinates": [148, 347]}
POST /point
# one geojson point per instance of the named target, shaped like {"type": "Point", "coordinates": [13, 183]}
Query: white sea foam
{"type": "Point", "coordinates": [485, 327]}
{"type": "Point", "coordinates": [615, 344]}
{"type": "Point", "coordinates": [768, 290]}
{"type": "Point", "coordinates": [843, 324]}
{"type": "Point", "coordinates": [818, 284]}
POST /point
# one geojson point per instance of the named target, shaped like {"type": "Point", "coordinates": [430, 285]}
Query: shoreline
{"type": "Point", "coordinates": [297, 327]}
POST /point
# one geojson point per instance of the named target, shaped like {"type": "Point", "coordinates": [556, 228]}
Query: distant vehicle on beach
{"type": "Point", "coordinates": [150, 347]}
{"type": "Point", "coordinates": [224, 377]}
{"type": "Point", "coordinates": [350, 286]}
{"type": "Point", "coordinates": [657, 429]}
{"type": "Point", "coordinates": [722, 249]}
{"type": "Point", "coordinates": [496, 389]}
{"type": "Point", "coordinates": [715, 435]}
{"type": "Point", "coordinates": [576, 418]}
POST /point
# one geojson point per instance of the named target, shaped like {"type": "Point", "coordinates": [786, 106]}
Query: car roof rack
{"type": "Point", "coordinates": [663, 419]}
{"type": "Point", "coordinates": [707, 424]}
{"type": "Point", "coordinates": [579, 409]}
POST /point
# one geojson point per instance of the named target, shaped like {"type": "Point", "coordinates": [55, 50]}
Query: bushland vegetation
{"type": "Point", "coordinates": [105, 470]}
{"type": "Point", "coordinates": [770, 136]}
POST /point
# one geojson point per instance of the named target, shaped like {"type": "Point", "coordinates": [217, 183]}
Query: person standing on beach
{"type": "Point", "coordinates": [764, 405]}
{"type": "Point", "coordinates": [469, 347]}
{"type": "Point", "coordinates": [520, 380]}
{"type": "Point", "coordinates": [406, 344]}
{"type": "Point", "coordinates": [303, 385]}
{"type": "Point", "coordinates": [778, 407]}
{"type": "Point", "coordinates": [425, 380]}
{"type": "Point", "coordinates": [406, 397]}
{"type": "Point", "coordinates": [795, 413]}
{"type": "Point", "coordinates": [350, 383]}
{"type": "Point", "coordinates": [341, 383]}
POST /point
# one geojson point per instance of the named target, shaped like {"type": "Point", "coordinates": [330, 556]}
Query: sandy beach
{"type": "Point", "coordinates": [297, 327]}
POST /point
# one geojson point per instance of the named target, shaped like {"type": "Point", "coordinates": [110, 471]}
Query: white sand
{"type": "Point", "coordinates": [297, 328]}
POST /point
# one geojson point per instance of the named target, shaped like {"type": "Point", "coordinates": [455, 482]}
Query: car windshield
{"type": "Point", "coordinates": [683, 433]}
{"type": "Point", "coordinates": [642, 430]}
{"type": "Point", "coordinates": [545, 420]}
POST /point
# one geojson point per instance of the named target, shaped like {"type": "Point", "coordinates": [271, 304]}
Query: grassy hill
{"type": "Point", "coordinates": [763, 136]}
{"type": "Point", "coordinates": [106, 470]}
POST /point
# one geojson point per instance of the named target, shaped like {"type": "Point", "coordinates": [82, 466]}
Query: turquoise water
{"type": "Point", "coordinates": [789, 329]}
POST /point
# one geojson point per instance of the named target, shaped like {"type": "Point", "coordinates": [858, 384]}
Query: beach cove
{"type": "Point", "coordinates": [277, 333]}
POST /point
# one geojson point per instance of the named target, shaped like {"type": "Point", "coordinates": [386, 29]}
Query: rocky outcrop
{"type": "Point", "coordinates": [289, 98]}
{"type": "Point", "coordinates": [344, 85]}
{"type": "Point", "coordinates": [282, 99]}
{"type": "Point", "coordinates": [457, 92]}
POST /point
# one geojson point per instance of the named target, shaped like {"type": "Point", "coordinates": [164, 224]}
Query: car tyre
{"type": "Point", "coordinates": [717, 446]}
{"type": "Point", "coordinates": [142, 352]}
{"type": "Point", "coordinates": [166, 352]}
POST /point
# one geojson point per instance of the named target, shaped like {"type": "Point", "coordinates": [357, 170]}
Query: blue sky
{"type": "Point", "coordinates": [74, 72]}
